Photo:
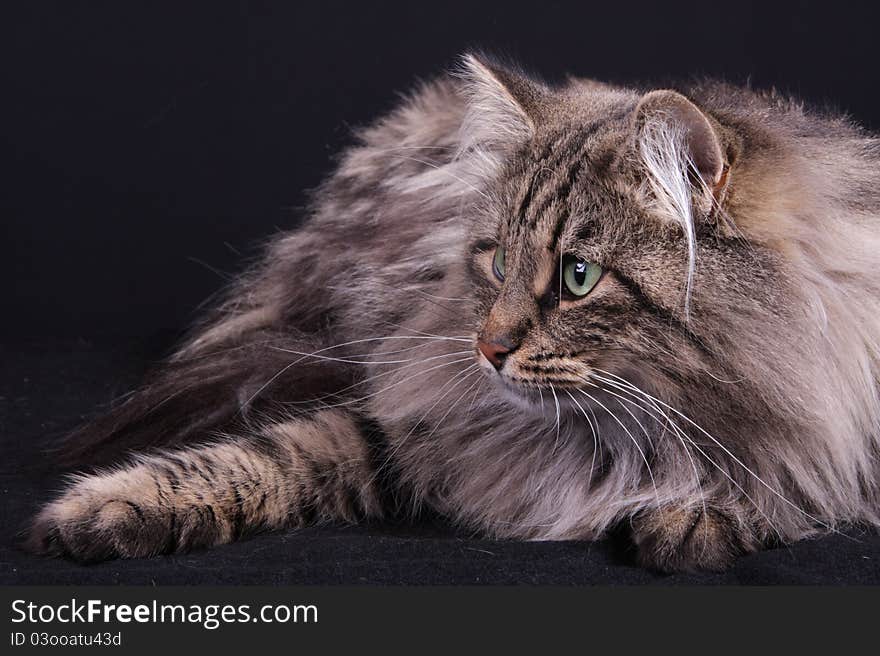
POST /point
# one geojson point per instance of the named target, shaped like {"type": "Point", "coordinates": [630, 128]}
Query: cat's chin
{"type": "Point", "coordinates": [523, 397]}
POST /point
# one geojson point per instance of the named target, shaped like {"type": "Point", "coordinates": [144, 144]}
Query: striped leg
{"type": "Point", "coordinates": [292, 473]}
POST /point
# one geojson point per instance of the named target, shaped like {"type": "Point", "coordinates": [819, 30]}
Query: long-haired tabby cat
{"type": "Point", "coordinates": [545, 312]}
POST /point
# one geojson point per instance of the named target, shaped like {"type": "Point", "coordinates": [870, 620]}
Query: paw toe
{"type": "Point", "coordinates": [91, 532]}
{"type": "Point", "coordinates": [688, 540]}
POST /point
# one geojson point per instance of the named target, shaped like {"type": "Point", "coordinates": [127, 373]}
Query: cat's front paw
{"type": "Point", "coordinates": [90, 526]}
{"type": "Point", "coordinates": [690, 539]}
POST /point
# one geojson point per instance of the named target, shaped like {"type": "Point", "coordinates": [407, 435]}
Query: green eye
{"type": "Point", "coordinates": [498, 263]}
{"type": "Point", "coordinates": [579, 276]}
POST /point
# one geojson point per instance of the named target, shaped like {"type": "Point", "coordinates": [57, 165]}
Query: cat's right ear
{"type": "Point", "coordinates": [504, 106]}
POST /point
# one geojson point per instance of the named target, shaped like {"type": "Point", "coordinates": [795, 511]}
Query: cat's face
{"type": "Point", "coordinates": [552, 266]}
{"type": "Point", "coordinates": [579, 276]}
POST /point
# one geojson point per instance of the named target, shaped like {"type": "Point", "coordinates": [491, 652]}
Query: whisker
{"type": "Point", "coordinates": [369, 379]}
{"type": "Point", "coordinates": [454, 403]}
{"type": "Point", "coordinates": [556, 401]}
{"type": "Point", "coordinates": [595, 439]}
{"type": "Point", "coordinates": [394, 352]}
{"type": "Point", "coordinates": [459, 379]}
{"type": "Point", "coordinates": [344, 360]}
{"type": "Point", "coordinates": [631, 437]}
{"type": "Point", "coordinates": [737, 460]}
{"type": "Point", "coordinates": [456, 379]}
{"type": "Point", "coordinates": [755, 476]}
{"type": "Point", "coordinates": [684, 446]}
{"type": "Point", "coordinates": [399, 382]}
{"type": "Point", "coordinates": [687, 451]}
{"type": "Point", "coordinates": [287, 367]}
{"type": "Point", "coordinates": [636, 419]}
{"type": "Point", "coordinates": [473, 401]}
{"type": "Point", "coordinates": [621, 400]}
{"type": "Point", "coordinates": [264, 342]}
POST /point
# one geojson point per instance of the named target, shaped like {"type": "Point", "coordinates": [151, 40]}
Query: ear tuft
{"type": "Point", "coordinates": [503, 105]}
{"type": "Point", "coordinates": [676, 142]}
{"type": "Point", "coordinates": [700, 140]}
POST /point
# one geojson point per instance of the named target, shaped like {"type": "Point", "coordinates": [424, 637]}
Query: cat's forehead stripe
{"type": "Point", "coordinates": [543, 210]}
{"type": "Point", "coordinates": [563, 172]}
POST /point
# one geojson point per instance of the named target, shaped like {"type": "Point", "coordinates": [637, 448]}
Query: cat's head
{"type": "Point", "coordinates": [618, 236]}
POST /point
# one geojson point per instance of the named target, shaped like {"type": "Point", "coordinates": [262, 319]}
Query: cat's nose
{"type": "Point", "coordinates": [494, 352]}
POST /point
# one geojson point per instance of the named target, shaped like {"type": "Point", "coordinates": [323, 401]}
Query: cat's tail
{"type": "Point", "coordinates": [196, 397]}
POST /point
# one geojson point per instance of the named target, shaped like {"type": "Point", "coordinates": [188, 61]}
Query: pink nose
{"type": "Point", "coordinates": [493, 352]}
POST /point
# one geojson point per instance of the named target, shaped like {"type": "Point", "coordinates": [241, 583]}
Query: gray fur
{"type": "Point", "coordinates": [747, 305]}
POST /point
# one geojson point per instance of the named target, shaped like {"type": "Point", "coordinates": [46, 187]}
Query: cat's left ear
{"type": "Point", "coordinates": [504, 105]}
{"type": "Point", "coordinates": [677, 139]}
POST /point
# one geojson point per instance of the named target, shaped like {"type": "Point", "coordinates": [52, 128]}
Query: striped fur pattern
{"type": "Point", "coordinates": [715, 392]}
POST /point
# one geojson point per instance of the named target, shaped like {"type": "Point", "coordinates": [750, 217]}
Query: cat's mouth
{"type": "Point", "coordinates": [527, 382]}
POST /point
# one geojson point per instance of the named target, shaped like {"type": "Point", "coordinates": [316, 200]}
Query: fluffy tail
{"type": "Point", "coordinates": [193, 398]}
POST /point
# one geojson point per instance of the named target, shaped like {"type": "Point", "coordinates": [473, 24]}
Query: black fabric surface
{"type": "Point", "coordinates": [48, 386]}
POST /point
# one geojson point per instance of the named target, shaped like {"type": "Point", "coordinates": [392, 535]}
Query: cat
{"type": "Point", "coordinates": [545, 312]}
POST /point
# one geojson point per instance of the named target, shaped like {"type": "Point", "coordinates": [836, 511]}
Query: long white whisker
{"type": "Point", "coordinates": [287, 367]}
{"type": "Point", "coordinates": [394, 352]}
{"type": "Point", "coordinates": [343, 360]}
{"type": "Point", "coordinates": [399, 382]}
{"type": "Point", "coordinates": [636, 419]}
{"type": "Point", "coordinates": [454, 403]}
{"type": "Point", "coordinates": [469, 371]}
{"type": "Point", "coordinates": [369, 379]}
{"type": "Point", "coordinates": [595, 439]}
{"type": "Point", "coordinates": [769, 487]}
{"type": "Point", "coordinates": [693, 463]}
{"type": "Point", "coordinates": [264, 342]}
{"type": "Point", "coordinates": [631, 437]}
{"type": "Point", "coordinates": [676, 432]}
{"type": "Point", "coordinates": [558, 419]}
{"type": "Point", "coordinates": [473, 401]}
{"type": "Point", "coordinates": [455, 381]}
{"type": "Point", "coordinates": [730, 454]}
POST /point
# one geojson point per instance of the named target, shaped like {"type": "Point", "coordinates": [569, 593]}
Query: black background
{"type": "Point", "coordinates": [148, 148]}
